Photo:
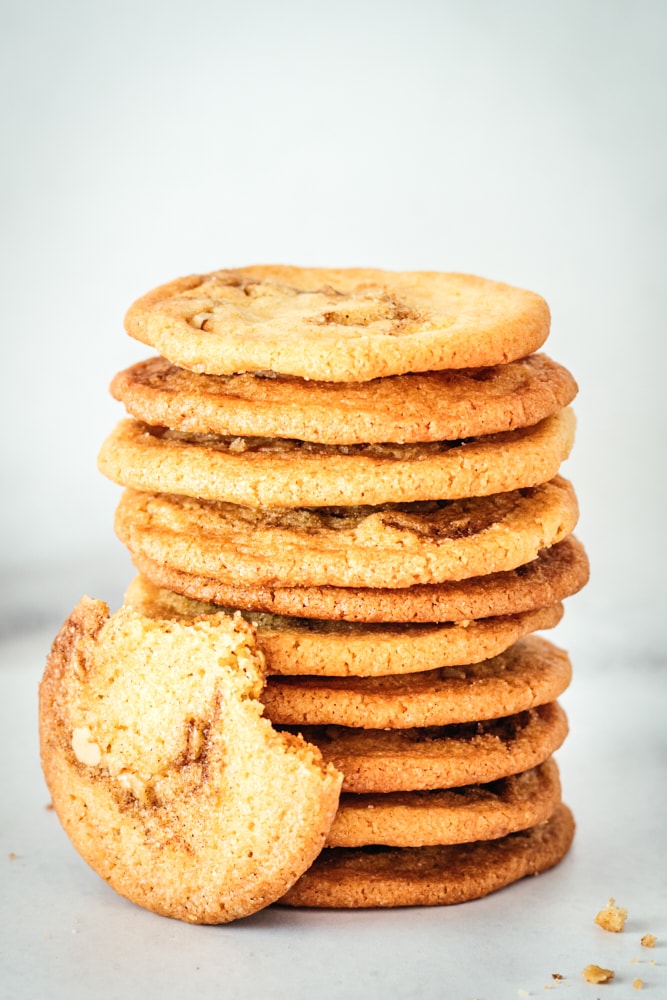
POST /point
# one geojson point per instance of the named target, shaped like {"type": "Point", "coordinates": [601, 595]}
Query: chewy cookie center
{"type": "Point", "coordinates": [152, 696]}
{"type": "Point", "coordinates": [365, 305]}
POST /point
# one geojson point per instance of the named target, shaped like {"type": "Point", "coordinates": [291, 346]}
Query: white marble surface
{"type": "Point", "coordinates": [66, 935]}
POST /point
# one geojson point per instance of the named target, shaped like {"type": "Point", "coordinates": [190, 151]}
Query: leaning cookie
{"type": "Point", "coordinates": [163, 772]}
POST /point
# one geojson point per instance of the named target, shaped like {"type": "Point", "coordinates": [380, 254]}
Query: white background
{"type": "Point", "coordinates": [520, 140]}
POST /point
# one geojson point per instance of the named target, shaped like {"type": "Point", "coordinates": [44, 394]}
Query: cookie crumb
{"type": "Point", "coordinates": [13, 855]}
{"type": "Point", "coordinates": [612, 917]}
{"type": "Point", "coordinates": [638, 984]}
{"type": "Point", "coordinates": [648, 941]}
{"type": "Point", "coordinates": [596, 974]}
{"type": "Point", "coordinates": [556, 975]}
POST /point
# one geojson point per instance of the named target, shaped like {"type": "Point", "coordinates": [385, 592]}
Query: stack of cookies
{"type": "Point", "coordinates": [365, 464]}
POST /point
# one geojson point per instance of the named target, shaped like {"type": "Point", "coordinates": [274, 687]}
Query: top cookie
{"type": "Point", "coordinates": [337, 325]}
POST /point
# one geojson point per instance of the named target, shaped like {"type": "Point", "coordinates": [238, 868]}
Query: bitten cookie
{"type": "Point", "coordinates": [337, 325]}
{"type": "Point", "coordinates": [163, 772]}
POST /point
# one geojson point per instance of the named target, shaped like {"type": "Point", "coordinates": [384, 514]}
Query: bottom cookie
{"type": "Point", "coordinates": [431, 876]}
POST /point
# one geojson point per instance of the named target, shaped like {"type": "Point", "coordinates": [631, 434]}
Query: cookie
{"type": "Point", "coordinates": [386, 546]}
{"type": "Point", "coordinates": [337, 325]}
{"type": "Point", "coordinates": [556, 573]}
{"type": "Point", "coordinates": [275, 472]}
{"type": "Point", "coordinates": [341, 649]}
{"type": "Point", "coordinates": [531, 672]}
{"type": "Point", "coordinates": [453, 816]}
{"type": "Point", "coordinates": [407, 760]}
{"type": "Point", "coordinates": [163, 772]}
{"type": "Point", "coordinates": [431, 876]}
{"type": "Point", "coordinates": [429, 406]}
